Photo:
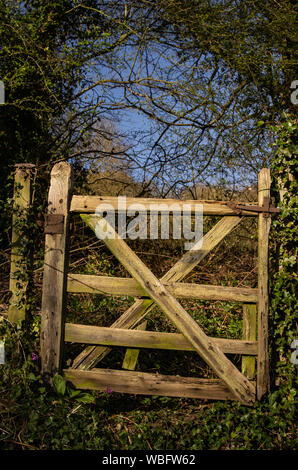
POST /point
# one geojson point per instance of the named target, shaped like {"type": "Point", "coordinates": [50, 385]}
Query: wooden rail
{"type": "Point", "coordinates": [148, 384]}
{"type": "Point", "coordinates": [87, 334]}
{"type": "Point", "coordinates": [89, 204]}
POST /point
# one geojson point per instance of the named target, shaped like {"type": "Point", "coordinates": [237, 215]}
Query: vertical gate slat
{"type": "Point", "coordinates": [249, 333]}
{"type": "Point", "coordinates": [55, 272]}
{"type": "Point", "coordinates": [131, 355]}
{"type": "Point", "coordinates": [264, 182]}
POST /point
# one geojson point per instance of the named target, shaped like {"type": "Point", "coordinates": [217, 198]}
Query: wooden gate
{"type": "Point", "coordinates": [129, 330]}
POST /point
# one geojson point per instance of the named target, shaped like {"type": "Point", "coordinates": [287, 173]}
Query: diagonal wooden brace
{"type": "Point", "coordinates": [91, 355]}
{"type": "Point", "coordinates": [238, 384]}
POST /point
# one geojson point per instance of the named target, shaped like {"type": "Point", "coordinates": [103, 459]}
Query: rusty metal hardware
{"type": "Point", "coordinates": [54, 223]}
{"type": "Point", "coordinates": [266, 209]}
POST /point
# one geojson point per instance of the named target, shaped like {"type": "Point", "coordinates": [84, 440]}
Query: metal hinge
{"type": "Point", "coordinates": [266, 209]}
{"type": "Point", "coordinates": [54, 223]}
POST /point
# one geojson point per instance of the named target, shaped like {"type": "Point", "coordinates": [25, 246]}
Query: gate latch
{"type": "Point", "coordinates": [54, 223]}
{"type": "Point", "coordinates": [265, 208]}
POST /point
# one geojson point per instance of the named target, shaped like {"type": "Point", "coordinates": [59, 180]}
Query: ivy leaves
{"type": "Point", "coordinates": [66, 391]}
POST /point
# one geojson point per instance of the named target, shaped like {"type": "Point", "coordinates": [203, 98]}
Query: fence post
{"type": "Point", "coordinates": [55, 269]}
{"type": "Point", "coordinates": [263, 382]}
{"type": "Point", "coordinates": [19, 263]}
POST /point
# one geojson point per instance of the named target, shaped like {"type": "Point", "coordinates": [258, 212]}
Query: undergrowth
{"type": "Point", "coordinates": [35, 416]}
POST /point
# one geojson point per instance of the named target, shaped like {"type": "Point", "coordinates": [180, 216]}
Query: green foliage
{"type": "Point", "coordinates": [66, 390]}
{"type": "Point", "coordinates": [40, 90]}
{"type": "Point", "coordinates": [284, 238]}
{"type": "Point", "coordinates": [254, 38]}
{"type": "Point", "coordinates": [46, 50]}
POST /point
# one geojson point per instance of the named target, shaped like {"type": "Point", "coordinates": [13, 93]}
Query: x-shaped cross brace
{"type": "Point", "coordinates": [243, 390]}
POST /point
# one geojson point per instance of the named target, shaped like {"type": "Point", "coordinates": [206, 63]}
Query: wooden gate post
{"type": "Point", "coordinates": [263, 382]}
{"type": "Point", "coordinates": [22, 200]}
{"type": "Point", "coordinates": [55, 269]}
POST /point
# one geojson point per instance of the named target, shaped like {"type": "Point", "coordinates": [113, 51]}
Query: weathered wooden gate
{"type": "Point", "coordinates": [129, 331]}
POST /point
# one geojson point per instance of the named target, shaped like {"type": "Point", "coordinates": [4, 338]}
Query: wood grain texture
{"type": "Point", "coordinates": [264, 223]}
{"type": "Point", "coordinates": [88, 204]}
{"type": "Point", "coordinates": [88, 334]}
{"type": "Point", "coordinates": [142, 383]}
{"type": "Point", "coordinates": [106, 285]}
{"type": "Point", "coordinates": [206, 348]}
{"type": "Point", "coordinates": [91, 355]}
{"type": "Point", "coordinates": [55, 273]}
{"type": "Point", "coordinates": [18, 287]}
{"type": "Point", "coordinates": [131, 355]}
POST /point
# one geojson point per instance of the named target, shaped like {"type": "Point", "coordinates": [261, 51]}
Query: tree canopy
{"type": "Point", "coordinates": [188, 86]}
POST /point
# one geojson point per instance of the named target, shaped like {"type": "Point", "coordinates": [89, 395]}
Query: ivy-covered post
{"type": "Point", "coordinates": [284, 282]}
{"type": "Point", "coordinates": [19, 255]}
{"type": "Point", "coordinates": [55, 269]}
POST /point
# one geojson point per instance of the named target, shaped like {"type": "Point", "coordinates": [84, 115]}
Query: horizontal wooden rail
{"type": "Point", "coordinates": [106, 285]}
{"type": "Point", "coordinates": [204, 345]}
{"type": "Point", "coordinates": [88, 204]}
{"type": "Point", "coordinates": [87, 334]}
{"type": "Point", "coordinates": [143, 383]}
